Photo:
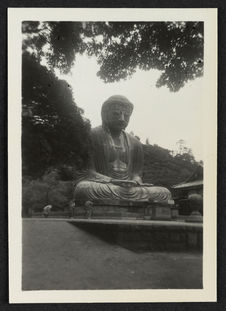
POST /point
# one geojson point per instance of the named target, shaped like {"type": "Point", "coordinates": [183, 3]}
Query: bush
{"type": "Point", "coordinates": [49, 189]}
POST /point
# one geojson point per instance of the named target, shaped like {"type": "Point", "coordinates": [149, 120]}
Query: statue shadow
{"type": "Point", "coordinates": [139, 239]}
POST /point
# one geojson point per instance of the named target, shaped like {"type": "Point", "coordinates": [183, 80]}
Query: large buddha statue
{"type": "Point", "coordinates": [115, 172]}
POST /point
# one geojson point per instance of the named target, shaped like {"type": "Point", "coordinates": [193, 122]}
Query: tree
{"type": "Point", "coordinates": [181, 147]}
{"type": "Point", "coordinates": [48, 189]}
{"type": "Point", "coordinates": [183, 152]}
{"type": "Point", "coordinates": [147, 141]}
{"type": "Point", "coordinates": [174, 48]}
{"type": "Point", "coordinates": [53, 129]}
{"type": "Point", "coordinates": [162, 168]}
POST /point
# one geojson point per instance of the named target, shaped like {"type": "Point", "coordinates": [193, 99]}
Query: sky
{"type": "Point", "coordinates": [162, 116]}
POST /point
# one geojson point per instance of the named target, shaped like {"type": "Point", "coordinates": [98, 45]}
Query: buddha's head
{"type": "Point", "coordinates": [116, 112]}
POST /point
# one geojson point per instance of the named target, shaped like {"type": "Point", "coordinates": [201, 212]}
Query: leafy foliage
{"type": "Point", "coordinates": [174, 48]}
{"type": "Point", "coordinates": [161, 168]}
{"type": "Point", "coordinates": [54, 131]}
{"type": "Point", "coordinates": [49, 189]}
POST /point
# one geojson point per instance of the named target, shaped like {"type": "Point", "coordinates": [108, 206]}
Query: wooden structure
{"type": "Point", "coordinates": [181, 192]}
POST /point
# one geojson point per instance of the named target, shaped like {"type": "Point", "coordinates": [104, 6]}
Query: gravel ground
{"type": "Point", "coordinates": [59, 256]}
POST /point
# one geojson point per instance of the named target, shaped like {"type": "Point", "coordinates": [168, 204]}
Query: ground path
{"type": "Point", "coordinates": [59, 256]}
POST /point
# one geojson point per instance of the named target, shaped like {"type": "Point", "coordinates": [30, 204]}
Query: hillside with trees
{"type": "Point", "coordinates": [56, 185]}
{"type": "Point", "coordinates": [163, 169]}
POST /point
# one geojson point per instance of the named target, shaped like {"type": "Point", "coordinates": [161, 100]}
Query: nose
{"type": "Point", "coordinates": [122, 117]}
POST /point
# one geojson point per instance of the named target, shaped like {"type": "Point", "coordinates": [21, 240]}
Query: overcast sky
{"type": "Point", "coordinates": [161, 116]}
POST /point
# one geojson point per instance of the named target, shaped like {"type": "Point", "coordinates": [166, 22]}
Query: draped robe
{"type": "Point", "coordinates": [111, 161]}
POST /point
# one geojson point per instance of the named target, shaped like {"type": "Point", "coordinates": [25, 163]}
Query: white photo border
{"type": "Point", "coordinates": [15, 18]}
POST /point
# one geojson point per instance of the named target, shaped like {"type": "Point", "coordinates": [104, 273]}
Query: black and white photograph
{"type": "Point", "coordinates": [112, 155]}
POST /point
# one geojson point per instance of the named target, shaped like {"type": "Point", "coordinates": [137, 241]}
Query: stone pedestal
{"type": "Point", "coordinates": [194, 217]}
{"type": "Point", "coordinates": [161, 212]}
{"type": "Point", "coordinates": [125, 210]}
{"type": "Point", "coordinates": [195, 203]}
{"type": "Point", "coordinates": [174, 213]}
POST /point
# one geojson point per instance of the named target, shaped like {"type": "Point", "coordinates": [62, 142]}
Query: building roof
{"type": "Point", "coordinates": [188, 184]}
{"type": "Point", "coordinates": [196, 175]}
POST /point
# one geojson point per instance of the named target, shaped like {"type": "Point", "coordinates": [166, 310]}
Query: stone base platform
{"type": "Point", "coordinates": [108, 209]}
{"type": "Point", "coordinates": [145, 235]}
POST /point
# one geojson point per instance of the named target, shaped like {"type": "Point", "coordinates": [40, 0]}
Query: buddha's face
{"type": "Point", "coordinates": [117, 116]}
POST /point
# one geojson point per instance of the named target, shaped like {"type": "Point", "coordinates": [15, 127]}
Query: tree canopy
{"type": "Point", "coordinates": [54, 131]}
{"type": "Point", "coordinates": [174, 48]}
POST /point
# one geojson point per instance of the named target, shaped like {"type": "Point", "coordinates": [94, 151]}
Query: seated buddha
{"type": "Point", "coordinates": [115, 171]}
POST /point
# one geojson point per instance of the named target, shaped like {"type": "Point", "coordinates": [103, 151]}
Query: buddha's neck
{"type": "Point", "coordinates": [115, 134]}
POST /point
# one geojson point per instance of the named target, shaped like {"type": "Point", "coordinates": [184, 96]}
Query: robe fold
{"type": "Point", "coordinates": [119, 162]}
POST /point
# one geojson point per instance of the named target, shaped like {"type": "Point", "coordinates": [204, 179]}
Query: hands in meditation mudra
{"type": "Point", "coordinates": [117, 161]}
